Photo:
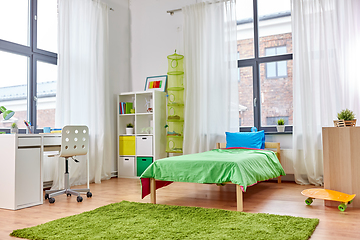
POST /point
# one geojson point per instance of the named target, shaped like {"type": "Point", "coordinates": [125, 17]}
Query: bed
{"type": "Point", "coordinates": [241, 166]}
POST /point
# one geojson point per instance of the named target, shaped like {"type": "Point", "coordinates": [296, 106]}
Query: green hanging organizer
{"type": "Point", "coordinates": [175, 104]}
{"type": "Point", "coordinates": [175, 64]}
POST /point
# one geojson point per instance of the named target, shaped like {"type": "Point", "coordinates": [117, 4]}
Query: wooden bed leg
{"type": "Point", "coordinates": [153, 190]}
{"type": "Point", "coordinates": [278, 155]}
{"type": "Point", "coordinates": [239, 198]}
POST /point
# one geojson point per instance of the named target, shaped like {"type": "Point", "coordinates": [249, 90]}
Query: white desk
{"type": "Point", "coordinates": [21, 168]}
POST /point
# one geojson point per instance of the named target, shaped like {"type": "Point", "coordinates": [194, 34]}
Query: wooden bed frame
{"type": "Point", "coordinates": [239, 193]}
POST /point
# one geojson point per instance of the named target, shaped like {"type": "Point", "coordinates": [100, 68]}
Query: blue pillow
{"type": "Point", "coordinates": [246, 139]}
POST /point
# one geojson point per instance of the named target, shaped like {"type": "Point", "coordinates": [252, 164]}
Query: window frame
{"type": "Point", "coordinates": [255, 64]}
{"type": "Point", "coordinates": [34, 54]}
{"type": "Point", "coordinates": [276, 66]}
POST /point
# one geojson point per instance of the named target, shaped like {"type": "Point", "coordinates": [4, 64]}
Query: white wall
{"type": "Point", "coordinates": [119, 60]}
{"type": "Point", "coordinates": [285, 140]}
{"type": "Point", "coordinates": [154, 35]}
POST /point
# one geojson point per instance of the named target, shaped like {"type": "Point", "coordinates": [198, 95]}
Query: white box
{"type": "Point", "coordinates": [126, 167]}
{"type": "Point", "coordinates": [144, 146]}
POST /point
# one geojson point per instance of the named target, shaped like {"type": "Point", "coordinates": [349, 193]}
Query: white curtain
{"type": "Point", "coordinates": [211, 87]}
{"type": "Point", "coordinates": [82, 90]}
{"type": "Point", "coordinates": [326, 44]}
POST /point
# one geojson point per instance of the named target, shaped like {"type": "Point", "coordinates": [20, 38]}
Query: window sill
{"type": "Point", "coordinates": [277, 133]}
{"type": "Point", "coordinates": [269, 130]}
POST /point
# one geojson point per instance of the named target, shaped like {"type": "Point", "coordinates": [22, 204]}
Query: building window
{"type": "Point", "coordinates": [276, 69]}
{"type": "Point", "coordinates": [273, 120]}
{"type": "Point", "coordinates": [28, 61]}
{"type": "Point", "coordinates": [265, 52]}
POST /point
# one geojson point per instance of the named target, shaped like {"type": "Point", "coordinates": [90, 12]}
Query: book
{"type": "Point", "coordinates": [121, 108]}
{"type": "Point", "coordinates": [56, 131]}
{"type": "Point", "coordinates": [128, 107]}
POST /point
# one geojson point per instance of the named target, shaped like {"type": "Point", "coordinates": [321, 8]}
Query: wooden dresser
{"type": "Point", "coordinates": [341, 154]}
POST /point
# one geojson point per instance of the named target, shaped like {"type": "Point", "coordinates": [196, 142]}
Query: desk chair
{"type": "Point", "coordinates": [74, 142]}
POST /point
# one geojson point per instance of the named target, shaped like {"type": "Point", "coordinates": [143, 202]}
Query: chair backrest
{"type": "Point", "coordinates": [74, 141]}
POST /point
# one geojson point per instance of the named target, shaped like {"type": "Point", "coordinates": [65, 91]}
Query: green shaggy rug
{"type": "Point", "coordinates": [131, 220]}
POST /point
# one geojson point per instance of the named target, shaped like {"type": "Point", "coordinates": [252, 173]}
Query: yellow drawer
{"type": "Point", "coordinates": [126, 145]}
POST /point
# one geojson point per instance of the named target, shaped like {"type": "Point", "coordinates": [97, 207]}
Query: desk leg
{"type": "Point", "coordinates": [239, 198]}
{"type": "Point", "coordinates": [153, 190]}
{"type": "Point", "coordinates": [87, 169]}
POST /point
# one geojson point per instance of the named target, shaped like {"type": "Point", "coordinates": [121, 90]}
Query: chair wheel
{"type": "Point", "coordinates": [46, 196]}
{"type": "Point", "coordinates": [79, 199]}
{"type": "Point", "coordinates": [89, 194]}
{"type": "Point", "coordinates": [68, 194]}
{"type": "Point", "coordinates": [51, 200]}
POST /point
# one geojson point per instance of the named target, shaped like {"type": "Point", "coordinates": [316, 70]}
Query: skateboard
{"type": "Point", "coordinates": [326, 194]}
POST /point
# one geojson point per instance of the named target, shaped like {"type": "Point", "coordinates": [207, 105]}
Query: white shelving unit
{"type": "Point", "coordinates": [143, 147]}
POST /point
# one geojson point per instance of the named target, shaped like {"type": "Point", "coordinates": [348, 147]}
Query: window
{"type": "Point", "coordinates": [13, 86]}
{"type": "Point", "coordinates": [276, 69]}
{"type": "Point", "coordinates": [28, 61]}
{"type": "Point", "coordinates": [14, 14]}
{"type": "Point", "coordinates": [264, 39]}
{"type": "Point", "coordinates": [246, 109]}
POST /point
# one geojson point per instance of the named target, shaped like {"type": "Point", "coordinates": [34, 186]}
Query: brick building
{"type": "Point", "coordinates": [15, 98]}
{"type": "Point", "coordinates": [276, 83]}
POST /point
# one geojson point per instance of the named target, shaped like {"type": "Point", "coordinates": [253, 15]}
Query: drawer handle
{"type": "Point", "coordinates": [144, 138]}
{"type": "Point", "coordinates": [126, 159]}
{"type": "Point", "coordinates": [143, 159]}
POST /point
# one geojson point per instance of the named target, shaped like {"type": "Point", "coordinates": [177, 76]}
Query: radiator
{"type": "Point", "coordinates": [286, 160]}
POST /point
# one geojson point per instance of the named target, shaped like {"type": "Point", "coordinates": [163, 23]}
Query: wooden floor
{"type": "Point", "coordinates": [266, 197]}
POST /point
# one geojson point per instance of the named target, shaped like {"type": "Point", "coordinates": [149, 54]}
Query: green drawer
{"type": "Point", "coordinates": [141, 164]}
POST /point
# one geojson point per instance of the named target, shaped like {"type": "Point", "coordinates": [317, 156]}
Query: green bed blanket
{"type": "Point", "coordinates": [244, 167]}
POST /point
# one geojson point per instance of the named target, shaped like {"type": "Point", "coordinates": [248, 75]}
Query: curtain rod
{"type": "Point", "coordinates": [111, 9]}
{"type": "Point", "coordinates": [171, 12]}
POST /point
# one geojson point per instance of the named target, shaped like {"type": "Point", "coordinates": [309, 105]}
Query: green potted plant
{"type": "Point", "coordinates": [14, 128]}
{"type": "Point", "coordinates": [129, 129]}
{"type": "Point", "coordinates": [280, 125]}
{"type": "Point", "coordinates": [346, 118]}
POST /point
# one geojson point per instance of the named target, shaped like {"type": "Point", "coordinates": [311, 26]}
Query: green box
{"type": "Point", "coordinates": [141, 164]}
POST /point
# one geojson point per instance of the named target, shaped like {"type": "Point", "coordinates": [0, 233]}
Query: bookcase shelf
{"type": "Point", "coordinates": [147, 113]}
{"type": "Point", "coordinates": [148, 142]}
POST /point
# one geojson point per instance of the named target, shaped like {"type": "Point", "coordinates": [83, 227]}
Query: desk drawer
{"type": "Point", "coordinates": [29, 142]}
{"type": "Point", "coordinates": [52, 141]}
